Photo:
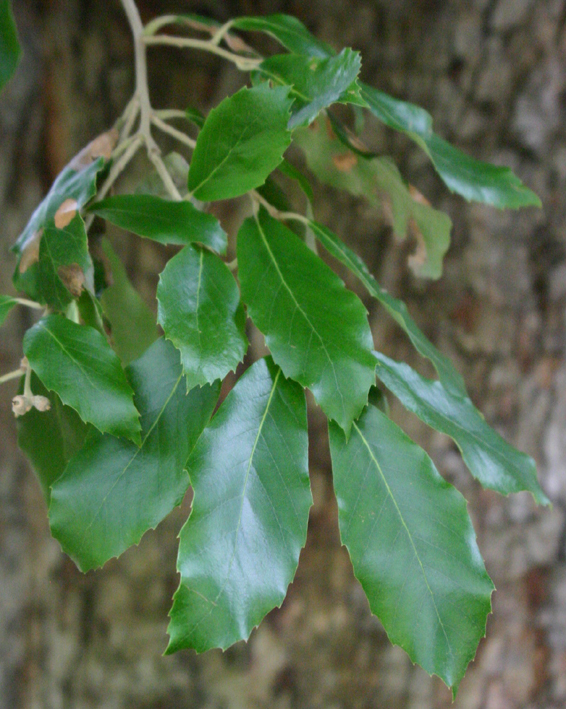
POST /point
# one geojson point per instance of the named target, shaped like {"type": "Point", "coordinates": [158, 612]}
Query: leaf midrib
{"type": "Point", "coordinates": [407, 530]}
{"type": "Point", "coordinates": [297, 305]}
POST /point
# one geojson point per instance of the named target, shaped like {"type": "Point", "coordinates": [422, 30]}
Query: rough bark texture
{"type": "Point", "coordinates": [493, 74]}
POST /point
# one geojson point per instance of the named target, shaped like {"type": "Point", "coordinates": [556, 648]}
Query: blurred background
{"type": "Point", "coordinates": [493, 75]}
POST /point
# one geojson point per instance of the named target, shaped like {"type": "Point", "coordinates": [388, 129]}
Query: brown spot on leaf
{"type": "Point", "coordinates": [30, 252]}
{"type": "Point", "coordinates": [237, 44]}
{"type": "Point", "coordinates": [345, 162]}
{"type": "Point", "coordinates": [101, 147]}
{"type": "Point", "coordinates": [73, 278]}
{"type": "Point", "coordinates": [329, 130]}
{"type": "Point", "coordinates": [66, 213]}
{"type": "Point", "coordinates": [418, 196]}
{"type": "Point", "coordinates": [419, 258]}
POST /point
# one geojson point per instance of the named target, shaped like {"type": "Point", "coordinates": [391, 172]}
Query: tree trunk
{"type": "Point", "coordinates": [493, 75]}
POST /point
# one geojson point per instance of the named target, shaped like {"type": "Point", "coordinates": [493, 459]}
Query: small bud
{"type": "Point", "coordinates": [20, 405]}
{"type": "Point", "coordinates": [41, 403]}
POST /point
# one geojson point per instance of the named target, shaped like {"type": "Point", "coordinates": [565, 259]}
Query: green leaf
{"type": "Point", "coordinates": [193, 115]}
{"type": "Point", "coordinates": [113, 491]}
{"type": "Point", "coordinates": [77, 363]}
{"type": "Point", "coordinates": [448, 374]}
{"type": "Point", "coordinates": [291, 172]}
{"type": "Point", "coordinates": [473, 179]}
{"type": "Point", "coordinates": [9, 46]}
{"type": "Point", "coordinates": [378, 180]}
{"type": "Point", "coordinates": [75, 183]}
{"type": "Point", "coordinates": [399, 115]}
{"type": "Point", "coordinates": [162, 220]}
{"type": "Point", "coordinates": [242, 141]}
{"type": "Point", "coordinates": [90, 311]}
{"type": "Point", "coordinates": [315, 83]}
{"type": "Point", "coordinates": [133, 326]}
{"type": "Point", "coordinates": [240, 546]}
{"type": "Point", "coordinates": [479, 181]}
{"type": "Point", "coordinates": [50, 438]}
{"type": "Point", "coordinates": [316, 330]}
{"type": "Point", "coordinates": [65, 266]}
{"type": "Point", "coordinates": [412, 545]}
{"type": "Point", "coordinates": [497, 465]}
{"type": "Point", "coordinates": [287, 30]}
{"type": "Point", "coordinates": [6, 305]}
{"type": "Point", "coordinates": [201, 313]}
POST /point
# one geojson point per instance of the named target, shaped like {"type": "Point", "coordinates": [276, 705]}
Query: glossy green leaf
{"type": "Point", "coordinates": [242, 141]}
{"type": "Point", "coordinates": [378, 180]}
{"type": "Point", "coordinates": [448, 374]}
{"type": "Point", "coordinates": [497, 465]}
{"type": "Point", "coordinates": [113, 491]}
{"type": "Point", "coordinates": [399, 115]}
{"type": "Point", "coordinates": [240, 546]}
{"type": "Point", "coordinates": [163, 220]}
{"type": "Point", "coordinates": [50, 438]}
{"type": "Point", "coordinates": [65, 266]}
{"type": "Point", "coordinates": [412, 545]}
{"type": "Point", "coordinates": [76, 362]}
{"type": "Point", "coordinates": [9, 46]}
{"type": "Point", "coordinates": [133, 325]}
{"type": "Point", "coordinates": [316, 330]}
{"type": "Point", "coordinates": [473, 179]}
{"type": "Point", "coordinates": [315, 83]}
{"type": "Point", "coordinates": [6, 305]}
{"type": "Point", "coordinates": [201, 313]}
{"type": "Point", "coordinates": [287, 30]}
{"type": "Point", "coordinates": [77, 181]}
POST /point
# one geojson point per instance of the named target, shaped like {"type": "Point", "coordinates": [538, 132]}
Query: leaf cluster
{"type": "Point", "coordinates": [131, 425]}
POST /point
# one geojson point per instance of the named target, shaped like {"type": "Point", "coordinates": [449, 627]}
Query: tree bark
{"type": "Point", "coordinates": [493, 75]}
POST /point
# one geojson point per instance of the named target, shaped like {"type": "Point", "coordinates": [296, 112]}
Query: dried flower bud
{"type": "Point", "coordinates": [20, 405]}
{"type": "Point", "coordinates": [41, 403]}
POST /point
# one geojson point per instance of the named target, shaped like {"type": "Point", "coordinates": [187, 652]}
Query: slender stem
{"type": "Point", "coordinates": [12, 375]}
{"type": "Point", "coordinates": [119, 166]}
{"type": "Point", "coordinates": [115, 172]}
{"type": "Point", "coordinates": [232, 265]}
{"type": "Point", "coordinates": [29, 303]}
{"type": "Point", "coordinates": [27, 383]}
{"type": "Point", "coordinates": [179, 135]}
{"type": "Point", "coordinates": [155, 25]}
{"type": "Point", "coordinates": [221, 33]}
{"type": "Point", "coordinates": [165, 176]}
{"type": "Point", "coordinates": [242, 63]}
{"type": "Point", "coordinates": [167, 113]}
{"type": "Point", "coordinates": [130, 115]}
{"type": "Point", "coordinates": [142, 92]}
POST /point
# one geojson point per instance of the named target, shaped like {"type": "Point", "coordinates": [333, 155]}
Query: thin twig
{"type": "Point", "coordinates": [221, 32]}
{"type": "Point", "coordinates": [12, 375]}
{"type": "Point", "coordinates": [29, 303]}
{"type": "Point", "coordinates": [167, 113]}
{"type": "Point", "coordinates": [179, 135]}
{"type": "Point", "coordinates": [130, 115]}
{"type": "Point", "coordinates": [242, 63]}
{"type": "Point", "coordinates": [165, 176]}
